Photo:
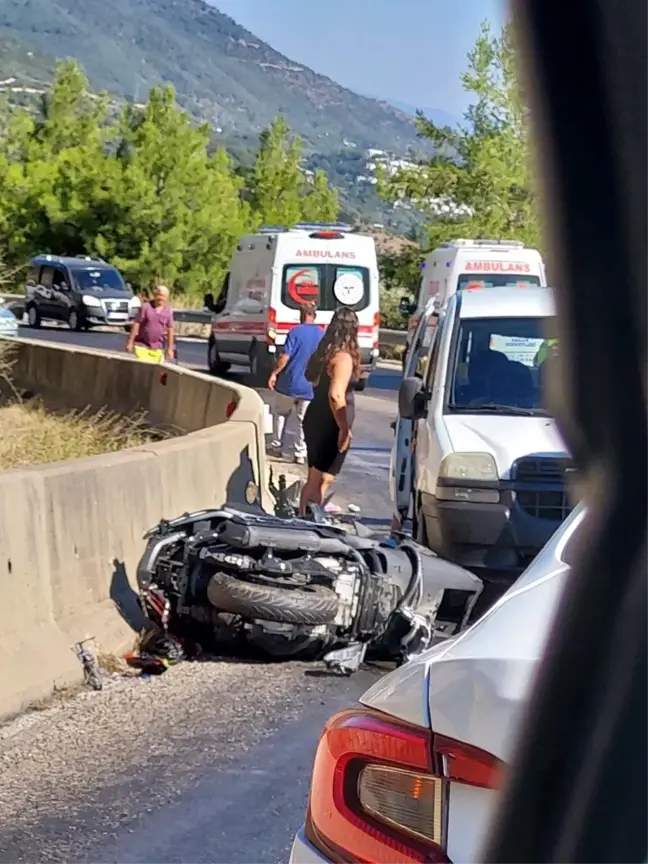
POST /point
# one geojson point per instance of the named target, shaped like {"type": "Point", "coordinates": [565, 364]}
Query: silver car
{"type": "Point", "coordinates": [8, 321]}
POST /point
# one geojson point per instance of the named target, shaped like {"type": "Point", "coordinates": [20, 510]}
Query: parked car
{"type": "Point", "coordinates": [8, 321]}
{"type": "Point", "coordinates": [413, 774]}
{"type": "Point", "coordinates": [83, 292]}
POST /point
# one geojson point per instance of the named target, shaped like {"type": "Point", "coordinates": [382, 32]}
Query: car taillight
{"type": "Point", "coordinates": [271, 330]}
{"type": "Point", "coordinates": [380, 789]}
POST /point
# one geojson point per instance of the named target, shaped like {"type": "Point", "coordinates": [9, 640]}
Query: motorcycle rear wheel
{"type": "Point", "coordinates": [314, 604]}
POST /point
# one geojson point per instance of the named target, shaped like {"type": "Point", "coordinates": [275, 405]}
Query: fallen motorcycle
{"type": "Point", "coordinates": [300, 588]}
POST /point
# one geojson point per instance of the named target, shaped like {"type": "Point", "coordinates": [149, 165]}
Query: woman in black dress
{"type": "Point", "coordinates": [327, 424]}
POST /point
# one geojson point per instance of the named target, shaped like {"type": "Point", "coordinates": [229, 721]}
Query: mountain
{"type": "Point", "coordinates": [221, 71]}
{"type": "Point", "coordinates": [436, 115]}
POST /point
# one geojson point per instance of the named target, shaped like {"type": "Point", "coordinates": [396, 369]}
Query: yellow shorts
{"type": "Point", "coordinates": [149, 355]}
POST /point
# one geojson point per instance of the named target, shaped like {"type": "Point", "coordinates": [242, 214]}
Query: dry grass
{"type": "Point", "coordinates": [30, 435]}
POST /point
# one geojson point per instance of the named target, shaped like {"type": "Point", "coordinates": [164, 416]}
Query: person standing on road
{"type": "Point", "coordinates": [292, 392]}
{"type": "Point", "coordinates": [153, 328]}
{"type": "Point", "coordinates": [333, 368]}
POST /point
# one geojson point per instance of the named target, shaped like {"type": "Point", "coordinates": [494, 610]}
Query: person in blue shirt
{"type": "Point", "coordinates": [291, 390]}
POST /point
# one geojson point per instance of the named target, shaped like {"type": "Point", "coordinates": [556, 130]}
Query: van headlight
{"type": "Point", "coordinates": [134, 302]}
{"type": "Point", "coordinates": [89, 300]}
{"type": "Point", "coordinates": [461, 470]}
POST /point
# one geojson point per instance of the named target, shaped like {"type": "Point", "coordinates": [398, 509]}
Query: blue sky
{"type": "Point", "coordinates": [410, 51]}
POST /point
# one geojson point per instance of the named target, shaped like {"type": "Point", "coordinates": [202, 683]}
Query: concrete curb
{"type": "Point", "coordinates": [71, 532]}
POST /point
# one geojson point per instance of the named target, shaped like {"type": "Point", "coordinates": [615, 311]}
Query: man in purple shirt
{"type": "Point", "coordinates": [152, 328]}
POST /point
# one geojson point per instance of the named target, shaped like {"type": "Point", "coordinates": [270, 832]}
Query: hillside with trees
{"type": "Point", "coordinates": [480, 182]}
{"type": "Point", "coordinates": [142, 188]}
{"type": "Point", "coordinates": [221, 72]}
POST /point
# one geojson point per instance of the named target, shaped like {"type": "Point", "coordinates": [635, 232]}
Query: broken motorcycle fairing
{"type": "Point", "coordinates": [294, 587]}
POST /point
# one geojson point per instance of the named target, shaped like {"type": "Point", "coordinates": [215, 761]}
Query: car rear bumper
{"type": "Point", "coordinates": [303, 851]}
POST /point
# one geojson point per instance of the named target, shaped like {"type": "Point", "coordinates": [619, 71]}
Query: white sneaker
{"type": "Point", "coordinates": [300, 460]}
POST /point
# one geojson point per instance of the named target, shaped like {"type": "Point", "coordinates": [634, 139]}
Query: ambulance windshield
{"type": "Point", "coordinates": [500, 364]}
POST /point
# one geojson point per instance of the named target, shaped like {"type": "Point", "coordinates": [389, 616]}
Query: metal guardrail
{"type": "Point", "coordinates": [388, 338]}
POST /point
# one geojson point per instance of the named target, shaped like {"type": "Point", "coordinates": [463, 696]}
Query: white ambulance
{"type": "Point", "coordinates": [275, 271]}
{"type": "Point", "coordinates": [472, 264]}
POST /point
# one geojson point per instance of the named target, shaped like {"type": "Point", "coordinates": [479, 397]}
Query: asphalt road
{"type": "Point", "coordinates": [208, 763]}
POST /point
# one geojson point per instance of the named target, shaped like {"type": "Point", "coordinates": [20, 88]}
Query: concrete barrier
{"type": "Point", "coordinates": [71, 532]}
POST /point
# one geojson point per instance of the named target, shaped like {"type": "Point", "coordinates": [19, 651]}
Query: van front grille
{"type": "Point", "coordinates": [548, 496]}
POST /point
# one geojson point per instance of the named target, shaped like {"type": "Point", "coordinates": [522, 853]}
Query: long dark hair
{"type": "Point", "coordinates": [341, 335]}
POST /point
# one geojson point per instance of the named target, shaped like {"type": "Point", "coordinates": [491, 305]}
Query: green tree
{"type": "Point", "coordinates": [400, 274]}
{"type": "Point", "coordinates": [173, 213]}
{"type": "Point", "coordinates": [320, 203]}
{"type": "Point", "coordinates": [147, 190]}
{"type": "Point", "coordinates": [276, 178]}
{"type": "Point", "coordinates": [479, 182]}
{"type": "Point", "coordinates": [55, 163]}
{"type": "Point", "coordinates": [278, 190]}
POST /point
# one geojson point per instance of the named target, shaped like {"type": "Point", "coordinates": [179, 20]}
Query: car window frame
{"type": "Point", "coordinates": [590, 693]}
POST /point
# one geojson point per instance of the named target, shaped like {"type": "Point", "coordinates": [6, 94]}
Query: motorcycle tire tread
{"type": "Point", "coordinates": [316, 605]}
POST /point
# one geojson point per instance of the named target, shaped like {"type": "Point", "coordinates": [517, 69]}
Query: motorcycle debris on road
{"type": "Point", "coordinates": [299, 588]}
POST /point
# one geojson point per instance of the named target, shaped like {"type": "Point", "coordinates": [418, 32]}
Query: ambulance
{"type": "Point", "coordinates": [272, 273]}
{"type": "Point", "coordinates": [472, 264]}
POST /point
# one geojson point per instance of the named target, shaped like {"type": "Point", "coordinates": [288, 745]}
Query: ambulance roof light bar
{"type": "Point", "coordinates": [308, 227]}
{"type": "Point", "coordinates": [509, 244]}
{"type": "Point", "coordinates": [332, 227]}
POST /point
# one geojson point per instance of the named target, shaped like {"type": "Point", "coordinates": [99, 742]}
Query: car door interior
{"type": "Point", "coordinates": [577, 787]}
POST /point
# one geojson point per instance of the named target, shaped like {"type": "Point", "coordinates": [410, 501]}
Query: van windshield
{"type": "Point", "coordinates": [326, 285]}
{"type": "Point", "coordinates": [499, 365]}
{"type": "Point", "coordinates": [99, 279]}
{"type": "Point", "coordinates": [496, 280]}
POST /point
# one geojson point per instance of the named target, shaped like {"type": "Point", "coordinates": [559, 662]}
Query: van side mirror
{"type": "Point", "coordinates": [129, 286]}
{"type": "Point", "coordinates": [406, 307]}
{"type": "Point", "coordinates": [412, 399]}
{"type": "Point", "coordinates": [208, 301]}
{"type": "Point", "coordinates": [64, 286]}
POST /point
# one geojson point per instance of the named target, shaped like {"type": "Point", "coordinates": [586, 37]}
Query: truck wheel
{"type": "Point", "coordinates": [260, 367]}
{"type": "Point", "coordinates": [215, 364]}
{"type": "Point", "coordinates": [360, 385]}
{"type": "Point", "coordinates": [313, 604]}
{"type": "Point", "coordinates": [33, 316]}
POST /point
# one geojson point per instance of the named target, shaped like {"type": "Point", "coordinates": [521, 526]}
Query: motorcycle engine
{"type": "Point", "coordinates": [346, 585]}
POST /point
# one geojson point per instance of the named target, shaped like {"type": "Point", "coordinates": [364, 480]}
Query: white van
{"type": "Point", "coordinates": [275, 271]}
{"type": "Point", "coordinates": [472, 263]}
{"type": "Point", "coordinates": [491, 468]}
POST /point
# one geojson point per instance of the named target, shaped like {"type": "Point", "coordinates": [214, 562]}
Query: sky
{"type": "Point", "coordinates": [408, 51]}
